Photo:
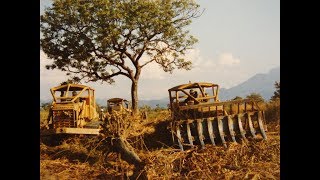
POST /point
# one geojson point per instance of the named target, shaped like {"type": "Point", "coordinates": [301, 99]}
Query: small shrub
{"type": "Point", "coordinates": [43, 117]}
{"type": "Point", "coordinates": [273, 111]}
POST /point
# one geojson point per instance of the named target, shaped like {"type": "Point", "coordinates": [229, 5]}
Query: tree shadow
{"type": "Point", "coordinates": [160, 138]}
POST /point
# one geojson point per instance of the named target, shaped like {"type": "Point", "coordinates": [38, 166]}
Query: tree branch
{"type": "Point", "coordinates": [147, 63]}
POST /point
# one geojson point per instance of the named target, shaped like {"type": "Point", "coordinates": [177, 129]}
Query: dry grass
{"type": "Point", "coordinates": [43, 117]}
{"type": "Point", "coordinates": [254, 160]}
{"type": "Point", "coordinates": [239, 161]}
{"type": "Point", "coordinates": [79, 159]}
{"type": "Point", "coordinates": [273, 111]}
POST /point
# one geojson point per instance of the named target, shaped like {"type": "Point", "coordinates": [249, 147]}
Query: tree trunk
{"type": "Point", "coordinates": [128, 154]}
{"type": "Point", "coordinates": [134, 97]}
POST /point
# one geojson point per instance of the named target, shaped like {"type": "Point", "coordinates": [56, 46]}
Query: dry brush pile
{"type": "Point", "coordinates": [240, 161]}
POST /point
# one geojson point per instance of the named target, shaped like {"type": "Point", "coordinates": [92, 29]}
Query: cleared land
{"type": "Point", "coordinates": [79, 158]}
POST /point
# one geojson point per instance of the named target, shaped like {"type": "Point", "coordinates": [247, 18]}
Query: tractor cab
{"type": "Point", "coordinates": [73, 93]}
{"type": "Point", "coordinates": [193, 93]}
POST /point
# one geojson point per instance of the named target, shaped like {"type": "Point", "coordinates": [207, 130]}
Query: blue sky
{"type": "Point", "coordinates": [237, 39]}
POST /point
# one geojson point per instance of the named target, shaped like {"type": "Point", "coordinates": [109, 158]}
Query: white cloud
{"type": "Point", "coordinates": [227, 59]}
{"type": "Point", "coordinates": [152, 71]}
{"type": "Point", "coordinates": [50, 77]}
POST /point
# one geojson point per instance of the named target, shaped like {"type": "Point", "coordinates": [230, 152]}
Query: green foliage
{"type": "Point", "coordinates": [145, 108]}
{"type": "Point", "coordinates": [74, 80]}
{"type": "Point", "coordinates": [237, 98]}
{"type": "Point", "coordinates": [46, 106]}
{"type": "Point", "coordinates": [158, 108]}
{"type": "Point", "coordinates": [273, 107]}
{"type": "Point", "coordinates": [255, 97]}
{"type": "Point", "coordinates": [276, 94]}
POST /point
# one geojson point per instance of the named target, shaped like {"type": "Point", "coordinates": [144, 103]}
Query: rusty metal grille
{"type": "Point", "coordinates": [64, 118]}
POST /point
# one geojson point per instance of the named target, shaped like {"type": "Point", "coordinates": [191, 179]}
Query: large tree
{"type": "Point", "coordinates": [101, 39]}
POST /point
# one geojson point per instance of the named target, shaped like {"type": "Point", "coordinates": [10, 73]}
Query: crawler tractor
{"type": "Point", "coordinates": [199, 118]}
{"type": "Point", "coordinates": [118, 104]}
{"type": "Point", "coordinates": [122, 106]}
{"type": "Point", "coordinates": [73, 111]}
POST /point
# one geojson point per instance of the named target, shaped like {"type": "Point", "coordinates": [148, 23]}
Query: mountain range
{"type": "Point", "coordinates": [262, 84]}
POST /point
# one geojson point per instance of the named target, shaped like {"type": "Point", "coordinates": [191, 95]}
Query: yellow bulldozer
{"type": "Point", "coordinates": [199, 118]}
{"type": "Point", "coordinates": [73, 111]}
{"type": "Point", "coordinates": [118, 104]}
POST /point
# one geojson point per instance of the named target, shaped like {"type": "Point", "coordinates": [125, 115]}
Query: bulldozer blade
{"type": "Point", "coordinates": [190, 138]}
{"type": "Point", "coordinates": [200, 132]}
{"type": "Point", "coordinates": [262, 131]}
{"type": "Point", "coordinates": [210, 130]}
{"type": "Point", "coordinates": [231, 130]}
{"type": "Point", "coordinates": [221, 133]}
{"type": "Point", "coordinates": [252, 131]}
{"type": "Point", "coordinates": [179, 137]}
{"type": "Point", "coordinates": [242, 132]}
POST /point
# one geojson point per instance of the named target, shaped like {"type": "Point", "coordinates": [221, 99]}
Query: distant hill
{"type": "Point", "coordinates": [153, 103]}
{"type": "Point", "coordinates": [101, 102]}
{"type": "Point", "coordinates": [44, 101]}
{"type": "Point", "coordinates": [259, 83]}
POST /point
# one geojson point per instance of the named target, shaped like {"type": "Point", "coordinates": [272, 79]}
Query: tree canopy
{"type": "Point", "coordinates": [100, 39]}
{"type": "Point", "coordinates": [237, 98]}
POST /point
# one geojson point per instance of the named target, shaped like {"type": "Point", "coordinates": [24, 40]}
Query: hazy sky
{"type": "Point", "coordinates": [237, 39]}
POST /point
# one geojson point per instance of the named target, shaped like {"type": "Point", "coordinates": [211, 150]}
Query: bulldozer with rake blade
{"type": "Point", "coordinates": [199, 117]}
